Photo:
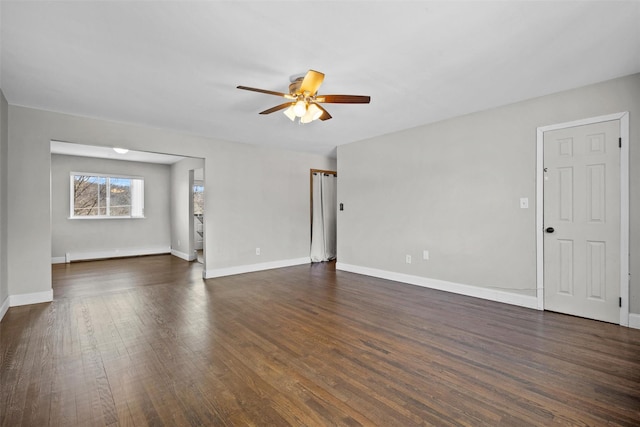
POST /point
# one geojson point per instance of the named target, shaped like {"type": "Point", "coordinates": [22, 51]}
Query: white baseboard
{"type": "Point", "coordinates": [230, 271]}
{"type": "Point", "coordinates": [634, 320]}
{"type": "Point", "coordinates": [4, 308]}
{"type": "Point", "coordinates": [33, 298]}
{"type": "Point", "coordinates": [442, 285]}
{"type": "Point", "coordinates": [183, 255]}
{"type": "Point", "coordinates": [110, 253]}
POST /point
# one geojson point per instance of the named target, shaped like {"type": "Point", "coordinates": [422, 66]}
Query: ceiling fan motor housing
{"type": "Point", "coordinates": [294, 87]}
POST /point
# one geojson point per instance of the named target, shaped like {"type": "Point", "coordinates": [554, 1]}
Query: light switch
{"type": "Point", "coordinates": [524, 203]}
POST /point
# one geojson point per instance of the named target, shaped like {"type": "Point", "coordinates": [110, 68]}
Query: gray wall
{"type": "Point", "coordinates": [97, 235]}
{"type": "Point", "coordinates": [181, 215]}
{"type": "Point", "coordinates": [4, 138]}
{"type": "Point", "coordinates": [453, 188]}
{"type": "Point", "coordinates": [253, 196]}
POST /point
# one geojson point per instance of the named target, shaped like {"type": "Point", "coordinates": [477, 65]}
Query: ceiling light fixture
{"type": "Point", "coordinates": [120, 150]}
{"type": "Point", "coordinates": [305, 110]}
{"type": "Point", "coordinates": [300, 108]}
{"type": "Point", "coordinates": [304, 101]}
{"type": "Point", "coordinates": [313, 113]}
{"type": "Point", "coordinates": [290, 113]}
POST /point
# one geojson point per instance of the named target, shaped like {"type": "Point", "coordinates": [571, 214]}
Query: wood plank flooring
{"type": "Point", "coordinates": [147, 341]}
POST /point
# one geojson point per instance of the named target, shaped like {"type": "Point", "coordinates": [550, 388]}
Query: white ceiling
{"type": "Point", "coordinates": [176, 64]}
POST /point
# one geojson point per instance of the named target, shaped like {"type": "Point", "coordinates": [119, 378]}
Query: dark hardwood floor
{"type": "Point", "coordinates": [147, 341]}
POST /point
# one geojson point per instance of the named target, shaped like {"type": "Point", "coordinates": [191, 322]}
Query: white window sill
{"type": "Point", "coordinates": [106, 217]}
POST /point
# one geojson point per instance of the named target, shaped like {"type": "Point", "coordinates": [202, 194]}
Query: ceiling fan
{"type": "Point", "coordinates": [304, 101]}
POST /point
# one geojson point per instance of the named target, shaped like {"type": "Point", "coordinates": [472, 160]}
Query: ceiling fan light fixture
{"type": "Point", "coordinates": [306, 118]}
{"type": "Point", "coordinates": [120, 150]}
{"type": "Point", "coordinates": [289, 112]}
{"type": "Point", "coordinates": [314, 111]}
{"type": "Point", "coordinates": [300, 108]}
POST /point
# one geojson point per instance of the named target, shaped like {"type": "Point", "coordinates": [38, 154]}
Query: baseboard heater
{"type": "Point", "coordinates": [114, 253]}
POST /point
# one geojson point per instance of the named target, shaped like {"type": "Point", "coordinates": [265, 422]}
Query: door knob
{"type": "Point", "coordinates": [549, 229]}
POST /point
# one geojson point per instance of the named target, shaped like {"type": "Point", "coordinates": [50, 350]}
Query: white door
{"type": "Point", "coordinates": [582, 221]}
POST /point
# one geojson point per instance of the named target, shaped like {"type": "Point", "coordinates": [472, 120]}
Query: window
{"type": "Point", "coordinates": [102, 196]}
{"type": "Point", "coordinates": [198, 198]}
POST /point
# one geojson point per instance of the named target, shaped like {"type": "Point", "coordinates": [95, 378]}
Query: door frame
{"type": "Point", "coordinates": [624, 206]}
{"type": "Point", "coordinates": [311, 172]}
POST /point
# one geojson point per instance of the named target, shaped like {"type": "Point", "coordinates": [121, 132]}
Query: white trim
{"type": "Point", "coordinates": [183, 255]}
{"type": "Point", "coordinates": [624, 219]}
{"type": "Point", "coordinates": [4, 308]}
{"type": "Point", "coordinates": [442, 285]}
{"type": "Point", "coordinates": [115, 253]}
{"type": "Point", "coordinates": [240, 269]}
{"type": "Point", "coordinates": [33, 298]}
{"type": "Point", "coordinates": [624, 206]}
{"type": "Point", "coordinates": [106, 175]}
{"type": "Point", "coordinates": [96, 217]}
{"type": "Point", "coordinates": [539, 219]}
{"type": "Point", "coordinates": [634, 320]}
{"type": "Point", "coordinates": [58, 260]}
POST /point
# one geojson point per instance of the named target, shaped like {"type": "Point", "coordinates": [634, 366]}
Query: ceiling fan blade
{"type": "Point", "coordinates": [344, 99]}
{"type": "Point", "coordinates": [325, 114]}
{"type": "Point", "coordinates": [311, 82]}
{"type": "Point", "coordinates": [276, 108]}
{"type": "Point", "coordinates": [268, 92]}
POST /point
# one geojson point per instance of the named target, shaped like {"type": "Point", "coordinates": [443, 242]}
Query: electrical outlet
{"type": "Point", "coordinates": [257, 251]}
{"type": "Point", "coordinates": [408, 259]}
{"type": "Point", "coordinates": [425, 254]}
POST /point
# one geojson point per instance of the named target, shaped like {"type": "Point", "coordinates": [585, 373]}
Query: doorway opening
{"type": "Point", "coordinates": [323, 184]}
{"type": "Point", "coordinates": [198, 213]}
{"type": "Point", "coordinates": [165, 227]}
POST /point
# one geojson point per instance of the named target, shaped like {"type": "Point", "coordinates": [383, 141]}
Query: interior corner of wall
{"type": "Point", "coordinates": [4, 307]}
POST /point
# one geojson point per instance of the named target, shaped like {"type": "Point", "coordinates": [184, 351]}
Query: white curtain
{"type": "Point", "coordinates": [323, 227]}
